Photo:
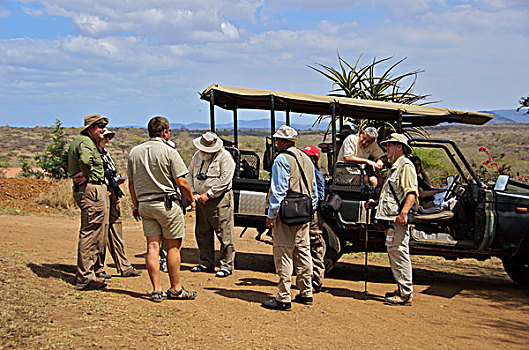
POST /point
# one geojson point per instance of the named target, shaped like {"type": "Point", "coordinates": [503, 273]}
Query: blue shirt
{"type": "Point", "coordinates": [279, 186]}
{"type": "Point", "coordinates": [320, 181]}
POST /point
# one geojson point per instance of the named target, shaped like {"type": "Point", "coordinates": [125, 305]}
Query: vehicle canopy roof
{"type": "Point", "coordinates": [232, 98]}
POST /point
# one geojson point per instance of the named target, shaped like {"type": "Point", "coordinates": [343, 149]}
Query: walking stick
{"type": "Point", "coordinates": [365, 263]}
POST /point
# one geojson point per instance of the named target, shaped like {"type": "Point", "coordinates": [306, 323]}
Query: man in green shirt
{"type": "Point", "coordinates": [85, 167]}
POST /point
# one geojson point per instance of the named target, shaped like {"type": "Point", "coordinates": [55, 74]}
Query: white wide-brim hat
{"type": "Point", "coordinates": [286, 132]}
{"type": "Point", "coordinates": [209, 142]}
{"type": "Point", "coordinates": [398, 138]}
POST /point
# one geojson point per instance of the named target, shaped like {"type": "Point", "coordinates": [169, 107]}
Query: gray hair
{"type": "Point", "coordinates": [371, 132]}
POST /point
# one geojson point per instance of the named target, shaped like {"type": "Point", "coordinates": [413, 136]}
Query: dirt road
{"type": "Point", "coordinates": [463, 304]}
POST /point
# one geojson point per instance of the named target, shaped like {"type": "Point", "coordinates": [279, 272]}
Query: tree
{"type": "Point", "coordinates": [362, 82]}
{"type": "Point", "coordinates": [524, 103]}
{"type": "Point", "coordinates": [51, 160]}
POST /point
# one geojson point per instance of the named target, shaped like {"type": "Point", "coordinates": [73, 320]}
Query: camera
{"type": "Point", "coordinates": [202, 176]}
{"type": "Point", "coordinates": [112, 183]}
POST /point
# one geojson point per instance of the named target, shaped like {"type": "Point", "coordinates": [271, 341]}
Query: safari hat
{"type": "Point", "coordinates": [312, 151]}
{"type": "Point", "coordinates": [398, 138]}
{"type": "Point", "coordinates": [92, 119]}
{"type": "Point", "coordinates": [286, 132]}
{"type": "Point", "coordinates": [209, 142]}
{"type": "Point", "coordinates": [108, 133]}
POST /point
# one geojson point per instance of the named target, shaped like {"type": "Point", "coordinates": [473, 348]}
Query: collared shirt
{"type": "Point", "coordinates": [109, 165]}
{"type": "Point", "coordinates": [279, 185]}
{"type": "Point", "coordinates": [83, 155]}
{"type": "Point", "coordinates": [153, 166]}
{"type": "Point", "coordinates": [351, 147]}
{"type": "Point", "coordinates": [403, 179]}
{"type": "Point", "coordinates": [219, 171]}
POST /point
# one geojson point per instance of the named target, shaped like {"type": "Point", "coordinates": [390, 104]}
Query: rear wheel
{"type": "Point", "coordinates": [517, 267]}
{"type": "Point", "coordinates": [333, 250]}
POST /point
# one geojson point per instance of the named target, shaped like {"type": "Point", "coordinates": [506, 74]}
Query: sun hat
{"type": "Point", "coordinates": [398, 138]}
{"type": "Point", "coordinates": [286, 132]}
{"type": "Point", "coordinates": [92, 119]}
{"type": "Point", "coordinates": [312, 151]}
{"type": "Point", "coordinates": [108, 133]}
{"type": "Point", "coordinates": [209, 142]}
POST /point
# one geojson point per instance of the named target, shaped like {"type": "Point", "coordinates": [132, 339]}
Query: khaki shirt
{"type": "Point", "coordinates": [403, 179]}
{"type": "Point", "coordinates": [351, 147]}
{"type": "Point", "coordinates": [83, 155]}
{"type": "Point", "coordinates": [219, 170]}
{"type": "Point", "coordinates": [153, 166]}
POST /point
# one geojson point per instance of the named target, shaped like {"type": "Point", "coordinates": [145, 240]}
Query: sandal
{"type": "Point", "coordinates": [158, 296]}
{"type": "Point", "coordinates": [182, 294]}
{"type": "Point", "coordinates": [223, 273]}
{"type": "Point", "coordinates": [202, 268]}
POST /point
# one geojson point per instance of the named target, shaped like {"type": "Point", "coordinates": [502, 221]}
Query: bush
{"type": "Point", "coordinates": [51, 160]}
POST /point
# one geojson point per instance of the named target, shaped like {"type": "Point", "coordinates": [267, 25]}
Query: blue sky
{"type": "Point", "coordinates": [135, 59]}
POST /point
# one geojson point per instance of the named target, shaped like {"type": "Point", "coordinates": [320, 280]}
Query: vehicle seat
{"type": "Point", "coordinates": [434, 217]}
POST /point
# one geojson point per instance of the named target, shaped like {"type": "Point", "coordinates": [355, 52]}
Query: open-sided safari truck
{"type": "Point", "coordinates": [488, 221]}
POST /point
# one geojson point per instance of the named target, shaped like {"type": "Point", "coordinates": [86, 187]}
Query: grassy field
{"type": "Point", "coordinates": [498, 138]}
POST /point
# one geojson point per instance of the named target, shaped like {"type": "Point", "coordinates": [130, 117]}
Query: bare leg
{"type": "Point", "coordinates": [151, 261]}
{"type": "Point", "coordinates": [173, 262]}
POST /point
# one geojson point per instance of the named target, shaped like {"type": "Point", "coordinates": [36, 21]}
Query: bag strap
{"type": "Point", "coordinates": [401, 205]}
{"type": "Point", "coordinates": [299, 166]}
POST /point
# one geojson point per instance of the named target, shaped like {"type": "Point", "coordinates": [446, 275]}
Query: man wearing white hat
{"type": "Point", "coordinates": [398, 196]}
{"type": "Point", "coordinates": [291, 243]}
{"type": "Point", "coordinates": [210, 177]}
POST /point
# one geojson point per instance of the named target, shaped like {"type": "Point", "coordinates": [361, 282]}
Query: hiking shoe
{"type": "Point", "coordinates": [276, 305]}
{"type": "Point", "coordinates": [303, 300]}
{"type": "Point", "coordinates": [90, 285]}
{"type": "Point", "coordinates": [104, 275]}
{"type": "Point", "coordinates": [132, 272]}
{"type": "Point", "coordinates": [392, 294]}
{"type": "Point", "coordinates": [202, 268]}
{"type": "Point", "coordinates": [398, 300]}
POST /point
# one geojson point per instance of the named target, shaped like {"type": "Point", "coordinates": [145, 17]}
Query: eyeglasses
{"type": "Point", "coordinates": [101, 125]}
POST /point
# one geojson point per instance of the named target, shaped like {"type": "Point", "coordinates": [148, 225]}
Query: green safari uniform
{"type": "Point", "coordinates": [91, 197]}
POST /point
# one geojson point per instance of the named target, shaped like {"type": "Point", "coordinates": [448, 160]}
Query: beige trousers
{"type": "Point", "coordinates": [292, 251]}
{"type": "Point", "coordinates": [397, 243]}
{"type": "Point", "coordinates": [115, 235]}
{"type": "Point", "coordinates": [317, 251]}
{"type": "Point", "coordinates": [216, 215]}
{"type": "Point", "coordinates": [92, 200]}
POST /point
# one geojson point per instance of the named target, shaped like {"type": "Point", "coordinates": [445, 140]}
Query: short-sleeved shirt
{"type": "Point", "coordinates": [350, 147]}
{"type": "Point", "coordinates": [153, 166]}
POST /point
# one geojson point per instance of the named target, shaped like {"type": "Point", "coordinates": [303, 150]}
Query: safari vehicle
{"type": "Point", "coordinates": [490, 221]}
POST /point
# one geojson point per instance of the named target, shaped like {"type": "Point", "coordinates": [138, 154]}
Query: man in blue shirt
{"type": "Point", "coordinates": [291, 243]}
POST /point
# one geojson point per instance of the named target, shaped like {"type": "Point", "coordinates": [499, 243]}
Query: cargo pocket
{"type": "Point", "coordinates": [95, 215]}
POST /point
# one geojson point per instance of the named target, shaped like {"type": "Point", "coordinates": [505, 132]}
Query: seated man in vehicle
{"type": "Point", "coordinates": [356, 149]}
{"type": "Point", "coordinates": [426, 191]}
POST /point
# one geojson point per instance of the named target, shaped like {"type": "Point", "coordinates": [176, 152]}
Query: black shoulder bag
{"type": "Point", "coordinates": [411, 213]}
{"type": "Point", "coordinates": [296, 207]}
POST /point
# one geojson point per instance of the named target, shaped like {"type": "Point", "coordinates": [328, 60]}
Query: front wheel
{"type": "Point", "coordinates": [333, 250]}
{"type": "Point", "coordinates": [517, 267]}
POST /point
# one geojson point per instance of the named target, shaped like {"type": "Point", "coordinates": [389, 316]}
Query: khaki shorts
{"type": "Point", "coordinates": [158, 221]}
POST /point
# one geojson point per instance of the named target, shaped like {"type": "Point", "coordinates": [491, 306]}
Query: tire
{"type": "Point", "coordinates": [333, 247]}
{"type": "Point", "coordinates": [517, 267]}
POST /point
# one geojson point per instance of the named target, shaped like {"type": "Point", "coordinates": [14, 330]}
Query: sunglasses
{"type": "Point", "coordinates": [101, 125]}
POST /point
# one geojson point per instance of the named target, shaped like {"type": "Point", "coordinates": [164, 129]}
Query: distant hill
{"type": "Point", "coordinates": [508, 116]}
{"type": "Point", "coordinates": [242, 124]}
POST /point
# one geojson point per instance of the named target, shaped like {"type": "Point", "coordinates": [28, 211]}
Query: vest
{"type": "Point", "coordinates": [388, 207]}
{"type": "Point", "coordinates": [296, 183]}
